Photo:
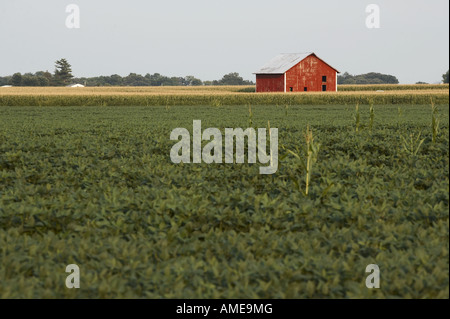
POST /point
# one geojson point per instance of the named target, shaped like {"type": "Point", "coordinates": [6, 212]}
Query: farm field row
{"type": "Point", "coordinates": [392, 87]}
{"type": "Point", "coordinates": [215, 96]}
{"type": "Point", "coordinates": [167, 90]}
{"type": "Point", "coordinates": [95, 186]}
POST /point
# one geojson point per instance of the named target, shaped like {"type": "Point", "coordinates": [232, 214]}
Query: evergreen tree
{"type": "Point", "coordinates": [63, 73]}
{"type": "Point", "coordinates": [445, 77]}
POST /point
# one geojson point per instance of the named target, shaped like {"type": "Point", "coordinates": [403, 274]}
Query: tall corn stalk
{"type": "Point", "coordinates": [372, 116]}
{"type": "Point", "coordinates": [413, 144]}
{"type": "Point", "coordinates": [434, 121]}
{"type": "Point", "coordinates": [270, 139]}
{"type": "Point", "coordinates": [310, 151]}
{"type": "Point", "coordinates": [357, 118]}
{"type": "Point", "coordinates": [309, 158]}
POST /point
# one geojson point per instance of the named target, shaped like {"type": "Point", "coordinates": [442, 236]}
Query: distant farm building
{"type": "Point", "coordinates": [76, 86]}
{"type": "Point", "coordinates": [296, 72]}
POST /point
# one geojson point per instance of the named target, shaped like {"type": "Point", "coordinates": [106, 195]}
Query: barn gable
{"type": "Point", "coordinates": [285, 61]}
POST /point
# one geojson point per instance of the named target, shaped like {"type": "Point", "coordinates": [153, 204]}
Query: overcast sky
{"type": "Point", "coordinates": [210, 38]}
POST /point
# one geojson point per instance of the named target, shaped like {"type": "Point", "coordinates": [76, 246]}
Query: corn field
{"type": "Point", "coordinates": [216, 96]}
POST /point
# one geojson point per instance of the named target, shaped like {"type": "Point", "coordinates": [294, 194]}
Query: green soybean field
{"type": "Point", "coordinates": [95, 186]}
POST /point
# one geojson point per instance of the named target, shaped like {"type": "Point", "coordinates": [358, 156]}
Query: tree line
{"type": "Point", "coordinates": [375, 78]}
{"type": "Point", "coordinates": [62, 76]}
{"type": "Point", "coordinates": [157, 79]}
{"type": "Point", "coordinates": [368, 78]}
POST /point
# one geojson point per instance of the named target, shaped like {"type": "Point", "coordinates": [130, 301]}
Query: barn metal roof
{"type": "Point", "coordinates": [283, 62]}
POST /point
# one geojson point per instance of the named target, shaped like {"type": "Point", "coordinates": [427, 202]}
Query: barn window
{"type": "Point", "coordinates": [324, 88]}
{"type": "Point", "coordinates": [305, 89]}
{"type": "Point", "coordinates": [324, 78]}
{"type": "Point", "coordinates": [291, 89]}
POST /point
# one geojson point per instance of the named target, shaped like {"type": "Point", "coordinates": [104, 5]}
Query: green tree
{"type": "Point", "coordinates": [63, 73]}
{"type": "Point", "coordinates": [5, 80]}
{"type": "Point", "coordinates": [30, 80]}
{"type": "Point", "coordinates": [232, 79]}
{"type": "Point", "coordinates": [445, 77]}
{"type": "Point", "coordinates": [47, 75]}
{"type": "Point", "coordinates": [16, 79]}
{"type": "Point", "coordinates": [43, 81]}
{"type": "Point", "coordinates": [192, 81]}
{"type": "Point", "coordinates": [134, 79]}
{"type": "Point", "coordinates": [115, 80]}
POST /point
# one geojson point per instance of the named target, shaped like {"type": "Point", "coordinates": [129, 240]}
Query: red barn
{"type": "Point", "coordinates": [296, 72]}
